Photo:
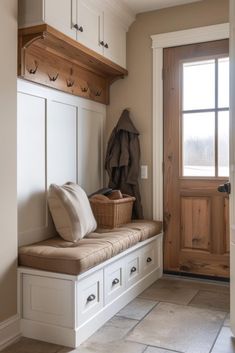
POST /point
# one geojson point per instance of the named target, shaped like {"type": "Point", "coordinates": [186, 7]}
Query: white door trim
{"type": "Point", "coordinates": [159, 42]}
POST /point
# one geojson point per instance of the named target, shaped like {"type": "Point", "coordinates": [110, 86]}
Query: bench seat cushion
{"type": "Point", "coordinates": [58, 255]}
{"type": "Point", "coordinates": [148, 229]}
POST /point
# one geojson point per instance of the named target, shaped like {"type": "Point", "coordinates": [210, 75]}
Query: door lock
{"type": "Point", "coordinates": [226, 187]}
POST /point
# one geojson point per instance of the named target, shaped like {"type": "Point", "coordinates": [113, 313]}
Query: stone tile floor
{"type": "Point", "coordinates": [174, 315]}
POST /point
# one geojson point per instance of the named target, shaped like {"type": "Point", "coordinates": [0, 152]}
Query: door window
{"type": "Point", "coordinates": [205, 118]}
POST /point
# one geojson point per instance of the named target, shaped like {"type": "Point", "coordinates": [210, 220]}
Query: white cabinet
{"type": "Point", "coordinates": [90, 22]}
{"type": "Point", "coordinates": [114, 39]}
{"type": "Point", "coordinates": [60, 14]}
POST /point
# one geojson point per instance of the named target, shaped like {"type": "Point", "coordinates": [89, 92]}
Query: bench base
{"type": "Point", "coordinates": [66, 310]}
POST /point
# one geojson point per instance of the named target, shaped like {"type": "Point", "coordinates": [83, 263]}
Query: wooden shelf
{"type": "Point", "coordinates": [49, 57]}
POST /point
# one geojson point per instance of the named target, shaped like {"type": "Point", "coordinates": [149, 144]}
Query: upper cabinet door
{"type": "Point", "coordinates": [61, 14]}
{"type": "Point", "coordinates": [90, 24]}
{"type": "Point", "coordinates": [114, 39]}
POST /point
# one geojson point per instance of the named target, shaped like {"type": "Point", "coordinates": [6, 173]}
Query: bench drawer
{"type": "Point", "coordinates": [133, 268]}
{"type": "Point", "coordinates": [89, 296]}
{"type": "Point", "coordinates": [114, 278]}
{"type": "Point", "coordinates": [149, 258]}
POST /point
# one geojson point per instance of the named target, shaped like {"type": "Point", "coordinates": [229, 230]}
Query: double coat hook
{"type": "Point", "coordinates": [33, 71]}
{"type": "Point", "coordinates": [53, 78]}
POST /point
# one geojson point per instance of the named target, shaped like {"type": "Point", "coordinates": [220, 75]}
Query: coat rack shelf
{"type": "Point", "coordinates": [48, 57]}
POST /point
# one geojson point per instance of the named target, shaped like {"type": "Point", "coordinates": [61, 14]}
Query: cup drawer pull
{"type": "Point", "coordinates": [91, 298]}
{"type": "Point", "coordinates": [149, 259]}
{"type": "Point", "coordinates": [133, 269]}
{"type": "Point", "coordinates": [115, 281]}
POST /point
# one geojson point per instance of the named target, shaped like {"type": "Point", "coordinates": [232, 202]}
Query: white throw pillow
{"type": "Point", "coordinates": [71, 211]}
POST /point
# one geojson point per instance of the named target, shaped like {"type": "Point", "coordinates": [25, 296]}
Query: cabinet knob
{"type": "Point", "coordinates": [78, 28]}
{"type": "Point", "coordinates": [102, 43]}
{"type": "Point", "coordinates": [106, 45]}
{"type": "Point", "coordinates": [91, 298]}
{"type": "Point", "coordinates": [115, 281]}
{"type": "Point", "coordinates": [133, 269]}
{"type": "Point", "coordinates": [149, 259]}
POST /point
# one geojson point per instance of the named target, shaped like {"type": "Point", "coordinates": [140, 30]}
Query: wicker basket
{"type": "Point", "coordinates": [112, 213]}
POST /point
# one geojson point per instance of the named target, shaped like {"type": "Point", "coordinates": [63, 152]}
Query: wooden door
{"type": "Point", "coordinates": [196, 158]}
{"type": "Point", "coordinates": [90, 25]}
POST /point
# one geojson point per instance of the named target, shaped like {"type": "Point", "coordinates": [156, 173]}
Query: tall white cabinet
{"type": "Point", "coordinates": [98, 24]}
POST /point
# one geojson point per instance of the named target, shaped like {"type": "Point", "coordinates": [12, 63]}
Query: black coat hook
{"type": "Point", "coordinates": [98, 93]}
{"type": "Point", "coordinates": [53, 78]}
{"type": "Point", "coordinates": [33, 71]}
{"type": "Point", "coordinates": [84, 89]}
{"type": "Point", "coordinates": [70, 83]}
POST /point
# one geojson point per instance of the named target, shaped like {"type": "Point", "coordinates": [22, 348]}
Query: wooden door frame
{"type": "Point", "coordinates": [159, 42]}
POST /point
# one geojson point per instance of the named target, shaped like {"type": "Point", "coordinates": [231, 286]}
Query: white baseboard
{"type": "Point", "coordinates": [9, 331]}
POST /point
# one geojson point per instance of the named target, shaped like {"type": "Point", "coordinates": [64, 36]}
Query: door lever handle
{"type": "Point", "coordinates": [226, 187]}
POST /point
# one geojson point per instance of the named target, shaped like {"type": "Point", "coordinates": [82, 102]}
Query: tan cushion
{"type": "Point", "coordinates": [57, 255]}
{"type": "Point", "coordinates": [147, 228]}
{"type": "Point", "coordinates": [71, 211]}
{"type": "Point", "coordinates": [120, 238]}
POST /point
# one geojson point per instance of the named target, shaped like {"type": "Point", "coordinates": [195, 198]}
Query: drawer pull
{"type": "Point", "coordinates": [149, 259]}
{"type": "Point", "coordinates": [91, 298]}
{"type": "Point", "coordinates": [133, 269]}
{"type": "Point", "coordinates": [115, 281]}
{"type": "Point", "coordinates": [106, 46]}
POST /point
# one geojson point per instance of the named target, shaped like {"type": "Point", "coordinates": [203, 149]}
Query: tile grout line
{"type": "Point", "coordinates": [166, 349]}
{"type": "Point", "coordinates": [198, 290]}
{"type": "Point", "coordinates": [139, 321]}
{"type": "Point", "coordinates": [213, 344]}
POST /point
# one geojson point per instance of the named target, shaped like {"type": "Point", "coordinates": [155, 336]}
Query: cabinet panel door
{"type": "Point", "coordinates": [115, 39]}
{"type": "Point", "coordinates": [90, 149]}
{"type": "Point", "coordinates": [90, 20]}
{"type": "Point", "coordinates": [61, 14]}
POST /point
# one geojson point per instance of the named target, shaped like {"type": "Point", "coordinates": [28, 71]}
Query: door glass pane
{"type": "Point", "coordinates": [223, 144]}
{"type": "Point", "coordinates": [223, 83]}
{"type": "Point", "coordinates": [199, 144]}
{"type": "Point", "coordinates": [199, 85]}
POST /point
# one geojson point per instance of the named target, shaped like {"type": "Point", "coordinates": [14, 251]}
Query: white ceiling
{"type": "Point", "coordinates": [138, 6]}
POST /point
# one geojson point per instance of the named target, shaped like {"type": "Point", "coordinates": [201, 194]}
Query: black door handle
{"type": "Point", "coordinates": [226, 187]}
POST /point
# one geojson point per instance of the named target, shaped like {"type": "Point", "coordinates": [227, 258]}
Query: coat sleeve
{"type": "Point", "coordinates": [134, 153]}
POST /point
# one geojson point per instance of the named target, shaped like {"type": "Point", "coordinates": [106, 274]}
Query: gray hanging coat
{"type": "Point", "coordinates": [123, 161]}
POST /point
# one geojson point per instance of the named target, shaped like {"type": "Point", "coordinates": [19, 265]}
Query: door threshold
{"type": "Point", "coordinates": [197, 276]}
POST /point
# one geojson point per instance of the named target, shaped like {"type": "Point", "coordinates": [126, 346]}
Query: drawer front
{"type": "Point", "coordinates": [114, 278]}
{"type": "Point", "coordinates": [149, 257]}
{"type": "Point", "coordinates": [89, 296]}
{"type": "Point", "coordinates": [133, 268]}
{"type": "Point", "coordinates": [48, 300]}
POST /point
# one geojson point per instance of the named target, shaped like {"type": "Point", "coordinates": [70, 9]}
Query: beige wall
{"type": "Point", "coordinates": [8, 203]}
{"type": "Point", "coordinates": [135, 91]}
